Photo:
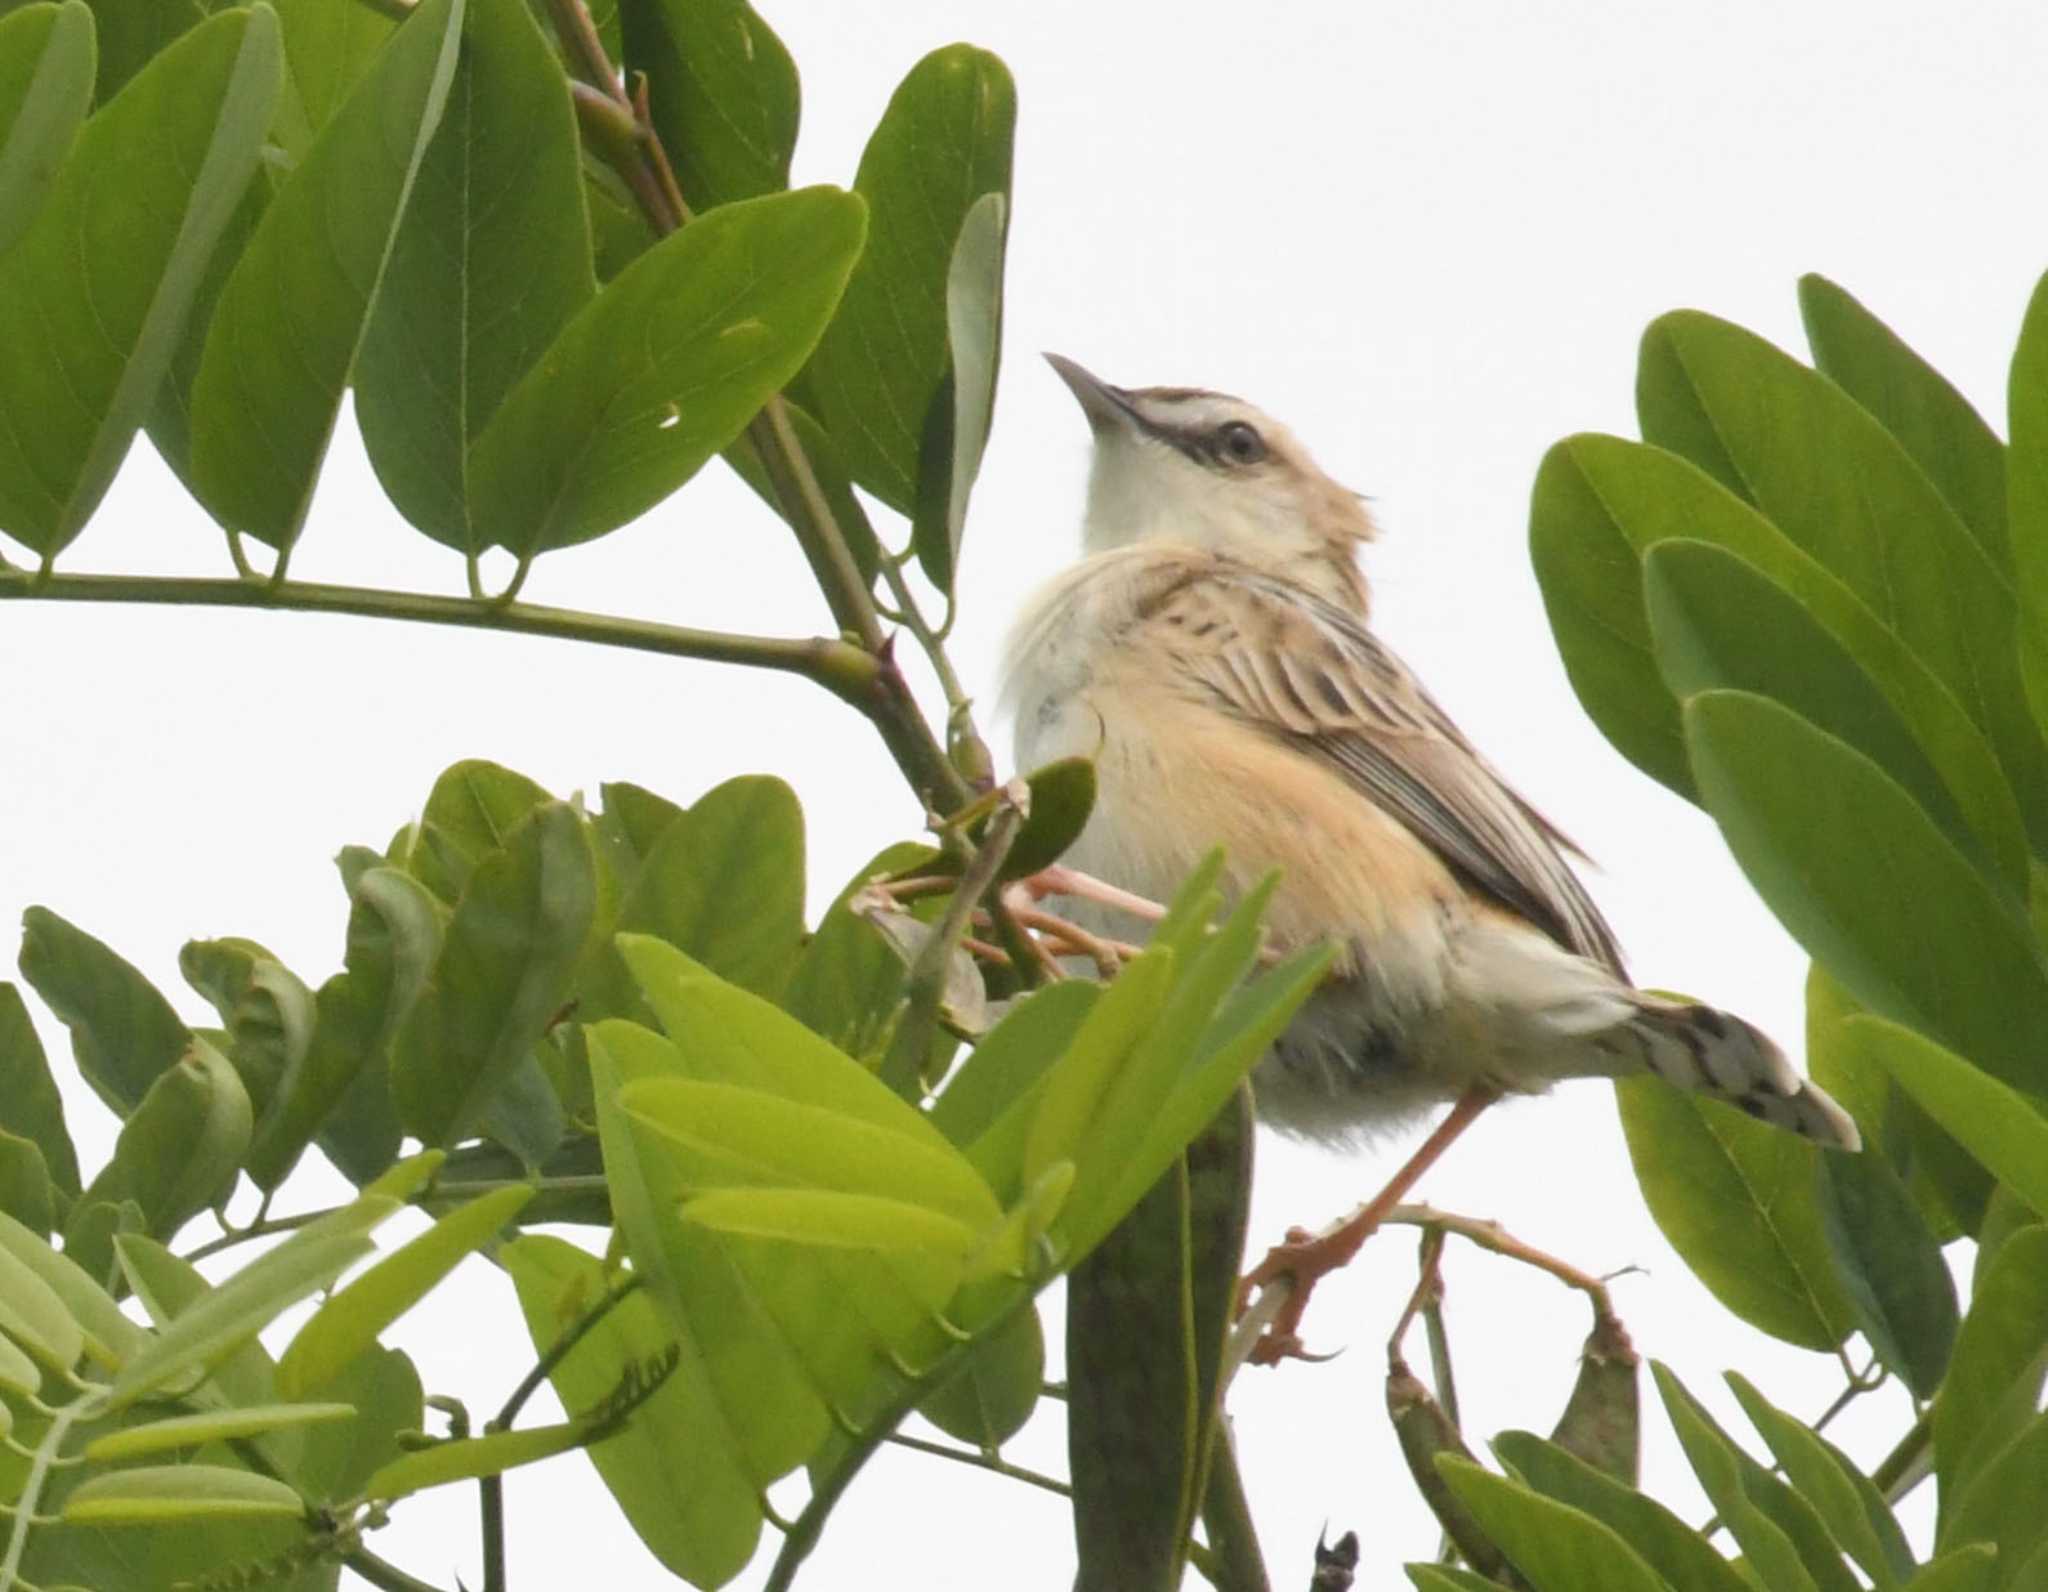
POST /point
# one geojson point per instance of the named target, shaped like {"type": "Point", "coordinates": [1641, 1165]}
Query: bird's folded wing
{"type": "Point", "coordinates": [1309, 673]}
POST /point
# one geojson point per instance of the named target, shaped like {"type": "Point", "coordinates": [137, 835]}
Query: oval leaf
{"type": "Point", "coordinates": [46, 72]}
{"type": "Point", "coordinates": [152, 1495]}
{"type": "Point", "coordinates": [214, 1426]}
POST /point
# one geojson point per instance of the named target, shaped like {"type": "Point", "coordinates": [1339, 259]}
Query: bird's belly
{"type": "Point", "coordinates": [1175, 780]}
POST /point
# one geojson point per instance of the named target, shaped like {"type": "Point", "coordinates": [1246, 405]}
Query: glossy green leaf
{"type": "Point", "coordinates": [46, 72]}
{"type": "Point", "coordinates": [2002, 1502]}
{"type": "Point", "coordinates": [1919, 406]}
{"type": "Point", "coordinates": [29, 1102]}
{"type": "Point", "coordinates": [253, 1297]}
{"type": "Point", "coordinates": [288, 323]}
{"type": "Point", "coordinates": [1007, 1062]}
{"type": "Point", "coordinates": [109, 1335]}
{"type": "Point", "coordinates": [353, 1318]}
{"type": "Point", "coordinates": [1727, 1475]}
{"type": "Point", "coordinates": [1736, 1199]}
{"type": "Point", "coordinates": [100, 285]}
{"type": "Point", "coordinates": [156, 1494]}
{"type": "Point", "coordinates": [753, 1415]}
{"type": "Point", "coordinates": [491, 261]}
{"type": "Point", "coordinates": [1897, 1285]}
{"type": "Point", "coordinates": [179, 1149]}
{"type": "Point", "coordinates": [1830, 477]}
{"type": "Point", "coordinates": [36, 1318]}
{"type": "Point", "coordinates": [725, 883]}
{"type": "Point", "coordinates": [467, 1458]}
{"type": "Point", "coordinates": [721, 91]}
{"type": "Point", "coordinates": [662, 369]}
{"type": "Point", "coordinates": [1850, 1506]}
{"type": "Point", "coordinates": [788, 1142]}
{"type": "Point", "coordinates": [956, 433]}
{"type": "Point", "coordinates": [1719, 623]}
{"type": "Point", "coordinates": [2027, 493]}
{"type": "Point", "coordinates": [689, 1505]}
{"type": "Point", "coordinates": [833, 1220]}
{"type": "Point", "coordinates": [1996, 1373]}
{"type": "Point", "coordinates": [1667, 1544]}
{"type": "Point", "coordinates": [2000, 1127]}
{"type": "Point", "coordinates": [1069, 1106]}
{"type": "Point", "coordinates": [943, 143]}
{"type": "Point", "coordinates": [1598, 498]}
{"type": "Point", "coordinates": [123, 1033]}
{"type": "Point", "coordinates": [213, 1426]}
{"type": "Point", "coordinates": [501, 980]}
{"type": "Point", "coordinates": [1556, 1547]}
{"type": "Point", "coordinates": [1923, 939]}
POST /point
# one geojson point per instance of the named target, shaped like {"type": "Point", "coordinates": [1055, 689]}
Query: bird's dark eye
{"type": "Point", "coordinates": [1237, 443]}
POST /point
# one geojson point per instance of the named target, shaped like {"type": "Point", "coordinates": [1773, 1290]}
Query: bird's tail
{"type": "Point", "coordinates": [1714, 1053]}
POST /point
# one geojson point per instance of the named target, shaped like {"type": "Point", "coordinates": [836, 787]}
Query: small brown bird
{"type": "Point", "coordinates": [1211, 653]}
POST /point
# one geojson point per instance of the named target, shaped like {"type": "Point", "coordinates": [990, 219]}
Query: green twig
{"type": "Point", "coordinates": [384, 1575]}
{"type": "Point", "coordinates": [980, 1460]}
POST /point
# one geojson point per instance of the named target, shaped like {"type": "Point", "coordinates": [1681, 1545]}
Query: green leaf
{"type": "Point", "coordinates": [109, 1335]}
{"type": "Point", "coordinates": [1890, 1266]}
{"type": "Point", "coordinates": [179, 1150]}
{"type": "Point", "coordinates": [1830, 477]}
{"type": "Point", "coordinates": [335, 1460]}
{"type": "Point", "coordinates": [753, 1414]}
{"type": "Point", "coordinates": [253, 1297]}
{"type": "Point", "coordinates": [1558, 1548]}
{"type": "Point", "coordinates": [352, 1319]}
{"type": "Point", "coordinates": [1848, 1503]}
{"type": "Point", "coordinates": [1447, 1578]}
{"type": "Point", "coordinates": [18, 1374]}
{"type": "Point", "coordinates": [123, 1033]}
{"type": "Point", "coordinates": [848, 983]}
{"type": "Point", "coordinates": [290, 319]}
{"type": "Point", "coordinates": [1598, 499]}
{"type": "Point", "coordinates": [2002, 1502]}
{"type": "Point", "coordinates": [1718, 622]}
{"type": "Point", "coordinates": [465, 1459]}
{"type": "Point", "coordinates": [1008, 1062]}
{"type": "Point", "coordinates": [1744, 1495]}
{"type": "Point", "coordinates": [997, 1389]}
{"type": "Point", "coordinates": [689, 1503]}
{"type": "Point", "coordinates": [32, 1106]}
{"type": "Point", "coordinates": [1971, 1569]}
{"type": "Point", "coordinates": [965, 403]}
{"type": "Point", "coordinates": [152, 1495]}
{"type": "Point", "coordinates": [46, 71]}
{"type": "Point", "coordinates": [943, 143]}
{"type": "Point", "coordinates": [502, 977]}
{"type": "Point", "coordinates": [662, 369]}
{"type": "Point", "coordinates": [36, 1317]}
{"type": "Point", "coordinates": [1999, 1126]}
{"type": "Point", "coordinates": [491, 261]}
{"type": "Point", "coordinates": [1736, 1199]}
{"type": "Point", "coordinates": [1069, 1105]}
{"type": "Point", "coordinates": [2027, 493]}
{"type": "Point", "coordinates": [100, 285]}
{"type": "Point", "coordinates": [1919, 406]}
{"type": "Point", "coordinates": [1996, 1373]}
{"type": "Point", "coordinates": [133, 32]}
{"type": "Point", "coordinates": [212, 1426]}
{"type": "Point", "coordinates": [833, 1220]}
{"type": "Point", "coordinates": [327, 50]}
{"type": "Point", "coordinates": [1668, 1545]}
{"type": "Point", "coordinates": [1922, 939]}
{"type": "Point", "coordinates": [721, 91]}
{"type": "Point", "coordinates": [725, 883]}
{"type": "Point", "coordinates": [26, 1190]}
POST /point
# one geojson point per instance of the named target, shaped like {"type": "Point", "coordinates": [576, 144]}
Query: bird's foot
{"type": "Point", "coordinates": [1297, 1263]}
{"type": "Point", "coordinates": [1062, 880]}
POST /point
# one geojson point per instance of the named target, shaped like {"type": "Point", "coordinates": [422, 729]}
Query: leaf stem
{"type": "Point", "coordinates": [984, 1461]}
{"type": "Point", "coordinates": [384, 1575]}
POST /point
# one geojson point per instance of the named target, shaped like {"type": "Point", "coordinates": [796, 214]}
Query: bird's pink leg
{"type": "Point", "coordinates": [1062, 880]}
{"type": "Point", "coordinates": [1305, 1258]}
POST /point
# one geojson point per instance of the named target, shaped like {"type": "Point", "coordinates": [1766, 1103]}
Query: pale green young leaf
{"type": "Point", "coordinates": [1558, 1548]}
{"type": "Point", "coordinates": [153, 1495]}
{"type": "Point", "coordinates": [36, 1318]}
{"type": "Point", "coordinates": [110, 1336]}
{"type": "Point", "coordinates": [212, 1426]}
{"type": "Point", "coordinates": [467, 1458]}
{"type": "Point", "coordinates": [1995, 1375]}
{"type": "Point", "coordinates": [350, 1321]}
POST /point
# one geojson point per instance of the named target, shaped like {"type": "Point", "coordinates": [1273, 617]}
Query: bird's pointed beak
{"type": "Point", "coordinates": [1107, 407]}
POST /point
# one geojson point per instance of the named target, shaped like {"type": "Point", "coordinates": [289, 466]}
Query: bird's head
{"type": "Point", "coordinates": [1183, 465]}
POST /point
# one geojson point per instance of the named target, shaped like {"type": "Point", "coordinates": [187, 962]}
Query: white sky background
{"type": "Point", "coordinates": [1428, 238]}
